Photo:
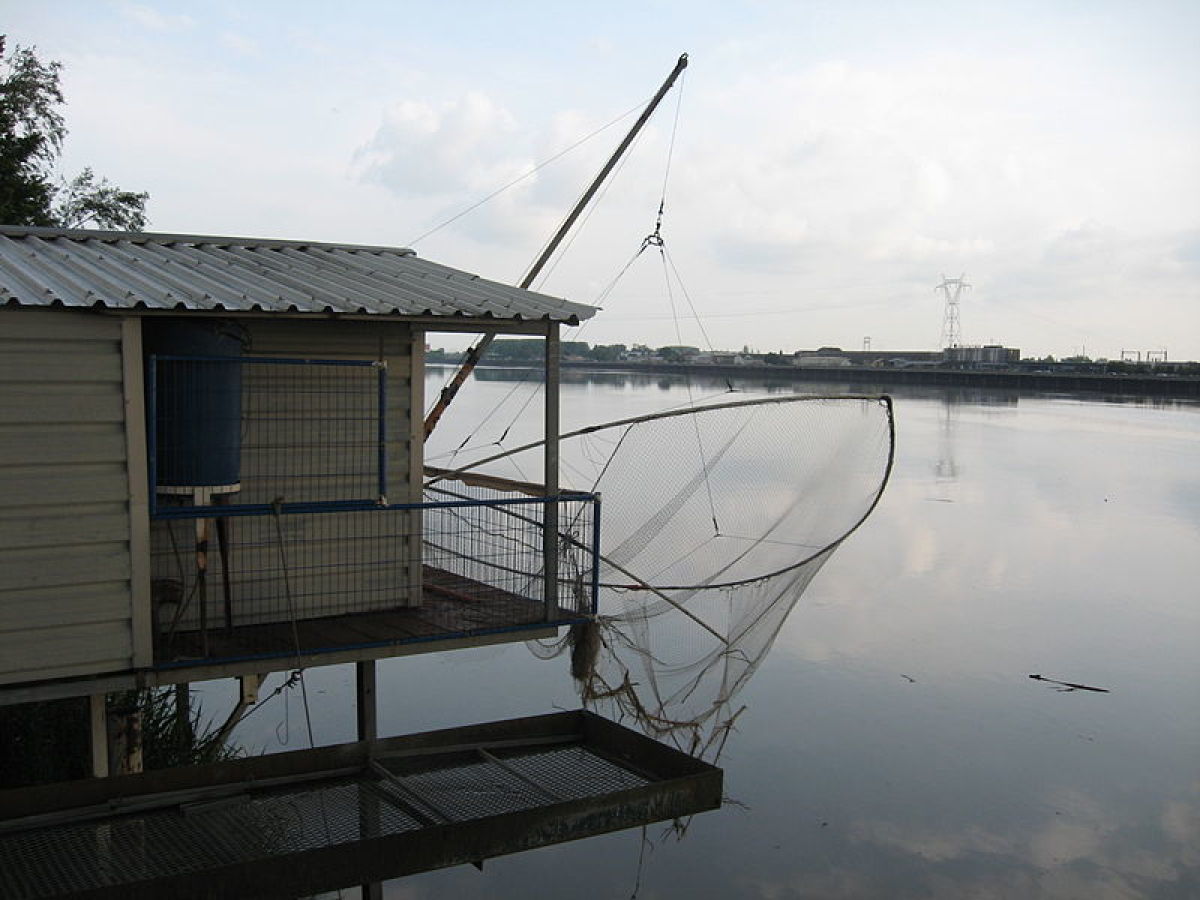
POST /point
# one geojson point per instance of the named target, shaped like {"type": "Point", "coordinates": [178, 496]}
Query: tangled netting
{"type": "Point", "coordinates": [715, 520]}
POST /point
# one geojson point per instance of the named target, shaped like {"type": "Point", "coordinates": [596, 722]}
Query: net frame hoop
{"type": "Point", "coordinates": [884, 400]}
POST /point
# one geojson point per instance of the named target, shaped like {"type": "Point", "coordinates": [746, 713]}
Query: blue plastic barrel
{"type": "Point", "coordinates": [197, 402]}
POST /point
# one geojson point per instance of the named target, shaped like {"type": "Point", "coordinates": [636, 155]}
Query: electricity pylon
{"type": "Point", "coordinates": [952, 288]}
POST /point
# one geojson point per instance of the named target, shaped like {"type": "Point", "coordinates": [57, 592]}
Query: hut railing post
{"type": "Point", "coordinates": [550, 475]}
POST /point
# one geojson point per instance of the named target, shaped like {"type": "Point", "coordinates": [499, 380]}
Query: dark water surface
{"type": "Point", "coordinates": [893, 743]}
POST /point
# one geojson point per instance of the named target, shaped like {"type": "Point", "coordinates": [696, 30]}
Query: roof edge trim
{"type": "Point", "coordinates": [151, 237]}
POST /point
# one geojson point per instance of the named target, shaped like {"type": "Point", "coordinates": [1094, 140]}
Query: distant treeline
{"type": "Point", "coordinates": [531, 350]}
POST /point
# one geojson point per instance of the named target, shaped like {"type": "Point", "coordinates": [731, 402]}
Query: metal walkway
{"type": "Point", "coordinates": [300, 825]}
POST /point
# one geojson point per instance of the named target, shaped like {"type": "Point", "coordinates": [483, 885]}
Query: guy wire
{"type": "Point", "coordinates": [530, 172]}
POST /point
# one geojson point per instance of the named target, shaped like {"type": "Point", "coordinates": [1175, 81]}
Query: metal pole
{"type": "Point", "coordinates": [98, 734]}
{"type": "Point", "coordinates": [474, 354]}
{"type": "Point", "coordinates": [550, 474]}
{"type": "Point", "coordinates": [680, 65]}
{"type": "Point", "coordinates": [368, 727]}
{"type": "Point", "coordinates": [460, 377]}
{"type": "Point", "coordinates": [594, 604]}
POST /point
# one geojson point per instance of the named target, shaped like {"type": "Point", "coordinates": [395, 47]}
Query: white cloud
{"type": "Point", "coordinates": [1061, 179]}
{"type": "Point", "coordinates": [153, 19]}
{"type": "Point", "coordinates": [425, 149]}
{"type": "Point", "coordinates": [240, 43]}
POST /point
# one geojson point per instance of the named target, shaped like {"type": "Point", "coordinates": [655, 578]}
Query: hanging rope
{"type": "Point", "coordinates": [276, 513]}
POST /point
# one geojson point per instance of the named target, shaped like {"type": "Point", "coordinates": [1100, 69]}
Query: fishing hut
{"type": "Point", "coordinates": [212, 458]}
{"type": "Point", "coordinates": [212, 453]}
{"type": "Point", "coordinates": [213, 467]}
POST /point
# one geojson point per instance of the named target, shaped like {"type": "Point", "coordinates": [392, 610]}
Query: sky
{"type": "Point", "coordinates": [823, 164]}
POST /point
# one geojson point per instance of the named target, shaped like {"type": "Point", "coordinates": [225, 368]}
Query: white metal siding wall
{"type": "Point", "coordinates": [258, 602]}
{"type": "Point", "coordinates": [65, 606]}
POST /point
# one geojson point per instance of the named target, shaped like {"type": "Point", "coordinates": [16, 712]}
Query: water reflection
{"type": "Point", "coordinates": [946, 468]}
{"type": "Point", "coordinates": [1072, 550]}
{"type": "Point", "coordinates": [767, 382]}
{"type": "Point", "coordinates": [715, 521]}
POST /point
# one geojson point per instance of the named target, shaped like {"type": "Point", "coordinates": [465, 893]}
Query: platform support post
{"type": "Point", "coordinates": [368, 730]}
{"type": "Point", "coordinates": [550, 473]}
{"type": "Point", "coordinates": [98, 732]}
{"type": "Point", "coordinates": [125, 756]}
{"type": "Point", "coordinates": [368, 722]}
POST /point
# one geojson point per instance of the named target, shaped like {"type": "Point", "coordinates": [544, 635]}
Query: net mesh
{"type": "Point", "coordinates": [715, 519]}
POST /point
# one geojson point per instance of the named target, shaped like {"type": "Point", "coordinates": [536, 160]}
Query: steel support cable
{"type": "Point", "coordinates": [587, 215]}
{"type": "Point", "coordinates": [671, 146]}
{"type": "Point", "coordinates": [565, 248]}
{"type": "Point", "coordinates": [607, 170]}
{"type": "Point", "coordinates": [662, 195]}
{"type": "Point", "coordinates": [688, 297]}
{"type": "Point", "coordinates": [477, 351]}
{"type": "Point", "coordinates": [499, 442]}
{"type": "Point", "coordinates": [185, 599]}
{"type": "Point", "coordinates": [276, 508]}
{"type": "Point", "coordinates": [528, 174]}
{"type": "Point", "coordinates": [657, 240]}
{"type": "Point", "coordinates": [578, 332]}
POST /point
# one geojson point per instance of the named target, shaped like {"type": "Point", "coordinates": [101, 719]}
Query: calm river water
{"type": "Point", "coordinates": [893, 743]}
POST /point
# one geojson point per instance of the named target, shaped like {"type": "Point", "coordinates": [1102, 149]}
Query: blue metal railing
{"type": "Point", "coordinates": [457, 568]}
{"type": "Point", "coordinates": [305, 534]}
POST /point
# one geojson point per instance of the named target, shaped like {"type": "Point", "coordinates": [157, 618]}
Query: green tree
{"type": "Point", "coordinates": [677, 353]}
{"type": "Point", "coordinates": [32, 132]}
{"type": "Point", "coordinates": [81, 201]}
{"type": "Point", "coordinates": [608, 352]}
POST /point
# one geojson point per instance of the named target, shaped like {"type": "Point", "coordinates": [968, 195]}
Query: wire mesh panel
{"type": "Point", "coordinates": [272, 531]}
{"type": "Point", "coordinates": [254, 827]}
{"type": "Point", "coordinates": [476, 785]}
{"type": "Point", "coordinates": [191, 839]}
{"type": "Point", "coordinates": [573, 772]}
{"type": "Point", "coordinates": [236, 585]}
{"type": "Point", "coordinates": [314, 432]}
{"type": "Point", "coordinates": [259, 431]}
{"type": "Point", "coordinates": [281, 568]}
{"type": "Point", "coordinates": [499, 541]}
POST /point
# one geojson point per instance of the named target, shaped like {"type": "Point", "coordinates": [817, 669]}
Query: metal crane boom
{"type": "Point", "coordinates": [476, 352]}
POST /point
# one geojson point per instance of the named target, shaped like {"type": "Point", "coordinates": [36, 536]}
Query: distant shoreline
{"type": "Point", "coordinates": [1133, 385]}
{"type": "Point", "coordinates": [1128, 385]}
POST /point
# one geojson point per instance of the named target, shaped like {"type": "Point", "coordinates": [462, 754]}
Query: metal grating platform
{"type": "Point", "coordinates": [399, 808]}
{"type": "Point", "coordinates": [66, 860]}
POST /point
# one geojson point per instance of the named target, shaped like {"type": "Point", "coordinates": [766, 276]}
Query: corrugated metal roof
{"type": "Point", "coordinates": [126, 270]}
